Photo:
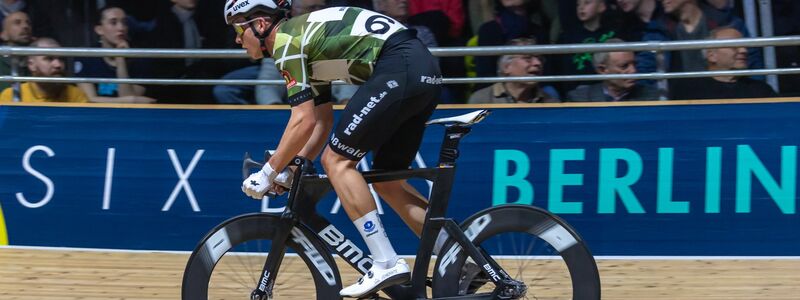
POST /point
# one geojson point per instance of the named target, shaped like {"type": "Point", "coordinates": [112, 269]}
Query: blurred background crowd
{"type": "Point", "coordinates": [199, 24]}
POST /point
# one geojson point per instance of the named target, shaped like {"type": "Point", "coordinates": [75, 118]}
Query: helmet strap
{"type": "Point", "coordinates": [262, 37]}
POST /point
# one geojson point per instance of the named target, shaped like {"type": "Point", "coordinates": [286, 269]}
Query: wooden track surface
{"type": "Point", "coordinates": [49, 274]}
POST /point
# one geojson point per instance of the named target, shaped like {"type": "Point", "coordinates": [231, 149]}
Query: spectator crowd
{"type": "Point", "coordinates": [197, 24]}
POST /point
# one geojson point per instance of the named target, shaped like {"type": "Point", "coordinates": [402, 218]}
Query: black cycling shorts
{"type": "Point", "coordinates": [387, 114]}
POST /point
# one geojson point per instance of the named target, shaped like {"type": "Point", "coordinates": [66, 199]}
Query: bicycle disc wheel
{"type": "Point", "coordinates": [531, 245]}
{"type": "Point", "coordinates": [228, 263]}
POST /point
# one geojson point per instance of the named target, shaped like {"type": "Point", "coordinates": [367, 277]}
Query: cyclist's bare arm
{"type": "Point", "coordinates": [298, 132]}
{"type": "Point", "coordinates": [322, 129]}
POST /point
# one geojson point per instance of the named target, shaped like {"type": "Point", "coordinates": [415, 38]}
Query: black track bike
{"type": "Point", "coordinates": [503, 252]}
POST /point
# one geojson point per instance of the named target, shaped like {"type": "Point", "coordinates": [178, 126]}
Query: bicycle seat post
{"type": "Point", "coordinates": [452, 137]}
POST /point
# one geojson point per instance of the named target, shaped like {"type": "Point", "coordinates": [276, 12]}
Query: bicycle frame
{"type": "Point", "coordinates": [309, 188]}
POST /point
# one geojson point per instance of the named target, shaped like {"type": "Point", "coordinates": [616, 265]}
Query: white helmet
{"type": "Point", "coordinates": [235, 8]}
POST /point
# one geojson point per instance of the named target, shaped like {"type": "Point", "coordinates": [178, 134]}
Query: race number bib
{"type": "Point", "coordinates": [375, 25]}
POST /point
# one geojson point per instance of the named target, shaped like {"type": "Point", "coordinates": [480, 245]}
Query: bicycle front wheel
{"type": "Point", "coordinates": [531, 245]}
{"type": "Point", "coordinates": [228, 262]}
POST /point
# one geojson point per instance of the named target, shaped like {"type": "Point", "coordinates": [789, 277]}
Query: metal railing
{"type": "Point", "coordinates": [657, 47]}
{"type": "Point", "coordinates": [457, 80]}
{"type": "Point", "coordinates": [438, 51]}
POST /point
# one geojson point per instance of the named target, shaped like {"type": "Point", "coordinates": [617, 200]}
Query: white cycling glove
{"type": "Point", "coordinates": [284, 178]}
{"type": "Point", "coordinates": [259, 183]}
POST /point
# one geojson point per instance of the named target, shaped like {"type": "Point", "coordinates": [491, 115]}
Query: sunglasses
{"type": "Point", "coordinates": [242, 26]}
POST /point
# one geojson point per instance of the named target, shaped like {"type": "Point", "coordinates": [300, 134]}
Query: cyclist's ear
{"type": "Point", "coordinates": [262, 24]}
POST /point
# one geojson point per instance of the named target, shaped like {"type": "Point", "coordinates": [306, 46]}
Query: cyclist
{"type": "Point", "coordinates": [400, 82]}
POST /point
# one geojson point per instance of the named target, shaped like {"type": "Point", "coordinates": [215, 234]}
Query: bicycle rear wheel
{"type": "Point", "coordinates": [531, 245]}
{"type": "Point", "coordinates": [228, 262]}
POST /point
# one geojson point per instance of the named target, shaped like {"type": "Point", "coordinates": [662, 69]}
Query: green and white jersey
{"type": "Point", "coordinates": [338, 43]}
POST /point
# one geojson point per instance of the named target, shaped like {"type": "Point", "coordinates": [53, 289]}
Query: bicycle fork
{"type": "Point", "coordinates": [277, 251]}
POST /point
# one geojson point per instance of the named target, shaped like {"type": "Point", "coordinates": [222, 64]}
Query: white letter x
{"type": "Point", "coordinates": [182, 182]}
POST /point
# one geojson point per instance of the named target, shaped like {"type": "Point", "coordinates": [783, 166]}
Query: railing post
{"type": "Point", "coordinates": [750, 18]}
{"type": "Point", "coordinates": [765, 10]}
{"type": "Point", "coordinates": [661, 84]}
{"type": "Point", "coordinates": [14, 73]}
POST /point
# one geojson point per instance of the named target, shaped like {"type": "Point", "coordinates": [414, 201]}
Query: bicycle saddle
{"type": "Point", "coordinates": [465, 120]}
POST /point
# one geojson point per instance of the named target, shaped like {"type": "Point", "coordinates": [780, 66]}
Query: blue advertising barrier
{"type": "Point", "coordinates": [715, 179]}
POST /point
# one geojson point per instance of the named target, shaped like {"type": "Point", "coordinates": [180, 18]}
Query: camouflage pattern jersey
{"type": "Point", "coordinates": [338, 43]}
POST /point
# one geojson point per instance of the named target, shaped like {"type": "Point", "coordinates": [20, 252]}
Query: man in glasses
{"type": "Point", "coordinates": [611, 90]}
{"type": "Point", "coordinates": [400, 82]}
{"type": "Point", "coordinates": [517, 65]}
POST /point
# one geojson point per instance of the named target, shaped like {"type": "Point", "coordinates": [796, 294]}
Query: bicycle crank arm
{"type": "Point", "coordinates": [468, 297]}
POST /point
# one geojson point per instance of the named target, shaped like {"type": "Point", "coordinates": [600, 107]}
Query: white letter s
{"type": "Point", "coordinates": [26, 163]}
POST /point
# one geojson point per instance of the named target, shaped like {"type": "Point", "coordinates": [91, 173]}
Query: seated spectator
{"type": "Point", "coordinates": [16, 32]}
{"type": "Point", "coordinates": [517, 92]}
{"type": "Point", "coordinates": [689, 20]}
{"type": "Point", "coordinates": [37, 11]}
{"type": "Point", "coordinates": [592, 30]}
{"type": "Point", "coordinates": [112, 29]}
{"type": "Point", "coordinates": [512, 21]}
{"type": "Point", "coordinates": [608, 63]}
{"type": "Point", "coordinates": [61, 20]}
{"type": "Point", "coordinates": [643, 21]}
{"type": "Point", "coordinates": [9, 7]}
{"type": "Point", "coordinates": [45, 66]}
{"type": "Point", "coordinates": [721, 87]}
{"type": "Point", "coordinates": [248, 94]}
{"type": "Point", "coordinates": [17, 29]}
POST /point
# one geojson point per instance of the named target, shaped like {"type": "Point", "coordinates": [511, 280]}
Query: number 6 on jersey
{"type": "Point", "coordinates": [375, 24]}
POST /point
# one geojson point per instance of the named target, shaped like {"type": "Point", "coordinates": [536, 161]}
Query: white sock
{"type": "Point", "coordinates": [374, 234]}
{"type": "Point", "coordinates": [437, 246]}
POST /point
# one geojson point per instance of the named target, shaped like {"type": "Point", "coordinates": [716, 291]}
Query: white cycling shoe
{"type": "Point", "coordinates": [378, 278]}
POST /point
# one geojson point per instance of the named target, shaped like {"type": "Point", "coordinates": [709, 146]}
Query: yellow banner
{"type": "Point", "coordinates": [3, 235]}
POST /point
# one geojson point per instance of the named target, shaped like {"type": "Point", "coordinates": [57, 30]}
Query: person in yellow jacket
{"type": "Point", "coordinates": [45, 66]}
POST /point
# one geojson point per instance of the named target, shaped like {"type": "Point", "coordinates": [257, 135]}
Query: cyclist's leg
{"type": "Point", "coordinates": [397, 154]}
{"type": "Point", "coordinates": [404, 199]}
{"type": "Point", "coordinates": [392, 96]}
{"type": "Point", "coordinates": [365, 123]}
{"type": "Point", "coordinates": [410, 205]}
{"type": "Point", "coordinates": [348, 183]}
